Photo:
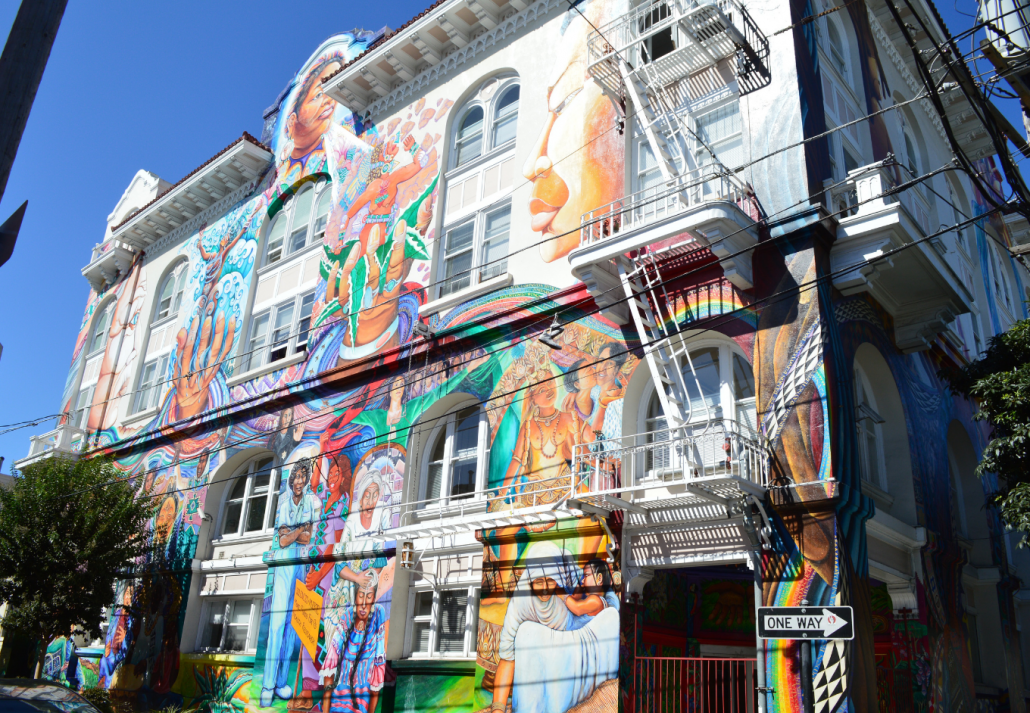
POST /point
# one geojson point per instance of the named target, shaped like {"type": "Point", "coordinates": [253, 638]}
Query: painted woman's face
{"type": "Point", "coordinates": [363, 603]}
{"type": "Point", "coordinates": [545, 394]}
{"type": "Point", "coordinates": [543, 588]}
{"type": "Point", "coordinates": [315, 109]}
{"type": "Point", "coordinates": [165, 518]}
{"type": "Point", "coordinates": [570, 178]}
{"type": "Point", "coordinates": [369, 498]}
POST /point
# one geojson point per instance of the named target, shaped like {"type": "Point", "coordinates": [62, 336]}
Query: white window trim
{"type": "Point", "coordinates": [170, 275]}
{"type": "Point", "coordinates": [449, 422]}
{"type": "Point", "coordinates": [248, 470]}
{"type": "Point", "coordinates": [226, 601]}
{"type": "Point", "coordinates": [471, 617]}
{"type": "Point", "coordinates": [287, 213]}
{"type": "Point", "coordinates": [478, 218]}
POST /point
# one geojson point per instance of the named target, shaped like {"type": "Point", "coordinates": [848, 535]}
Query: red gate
{"type": "Point", "coordinates": [694, 685]}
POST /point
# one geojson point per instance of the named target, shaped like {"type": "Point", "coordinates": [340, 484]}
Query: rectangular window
{"type": "Point", "coordinates": [721, 131]}
{"type": "Point", "coordinates": [150, 383]}
{"type": "Point", "coordinates": [480, 242]}
{"type": "Point", "coordinates": [974, 648]}
{"type": "Point", "coordinates": [445, 623]}
{"type": "Point", "coordinates": [279, 332]}
{"type": "Point", "coordinates": [82, 405]}
{"type": "Point", "coordinates": [229, 625]}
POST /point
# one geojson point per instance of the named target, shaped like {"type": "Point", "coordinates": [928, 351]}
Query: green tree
{"type": "Point", "coordinates": [999, 382]}
{"type": "Point", "coordinates": [68, 530]}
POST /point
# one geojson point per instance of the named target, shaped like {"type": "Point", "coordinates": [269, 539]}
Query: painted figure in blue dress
{"type": "Point", "coordinates": [294, 522]}
{"type": "Point", "coordinates": [357, 653]}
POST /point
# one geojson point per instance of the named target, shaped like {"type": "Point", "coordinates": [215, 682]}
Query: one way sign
{"type": "Point", "coordinates": [806, 623]}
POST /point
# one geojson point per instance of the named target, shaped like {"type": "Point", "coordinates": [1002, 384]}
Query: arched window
{"type": "Point", "coordinates": [1001, 278]}
{"type": "Point", "coordinates": [870, 435]}
{"type": "Point", "coordinates": [721, 395]}
{"type": "Point", "coordinates": [101, 326]}
{"type": "Point", "coordinates": [290, 231]}
{"type": "Point", "coordinates": [161, 339]}
{"type": "Point", "coordinates": [251, 499]}
{"type": "Point", "coordinates": [911, 157]}
{"type": "Point", "coordinates": [488, 121]}
{"type": "Point", "coordinates": [95, 344]}
{"type": "Point", "coordinates": [838, 53]}
{"type": "Point", "coordinates": [477, 213]}
{"type": "Point", "coordinates": [454, 461]}
{"type": "Point", "coordinates": [170, 295]}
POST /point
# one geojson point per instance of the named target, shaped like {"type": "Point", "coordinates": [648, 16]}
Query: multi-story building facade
{"type": "Point", "coordinates": [535, 344]}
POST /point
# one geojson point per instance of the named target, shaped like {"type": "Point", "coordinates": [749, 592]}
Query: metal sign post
{"type": "Point", "coordinates": [806, 624]}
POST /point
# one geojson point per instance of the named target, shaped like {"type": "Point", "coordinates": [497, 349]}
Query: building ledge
{"type": "Point", "coordinates": [442, 304]}
{"type": "Point", "coordinates": [110, 261]}
{"type": "Point", "coordinates": [267, 369]}
{"type": "Point", "coordinates": [65, 440]}
{"type": "Point", "coordinates": [915, 284]}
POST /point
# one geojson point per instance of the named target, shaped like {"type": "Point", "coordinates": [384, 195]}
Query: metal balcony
{"type": "Point", "coordinates": [64, 440]}
{"type": "Point", "coordinates": [109, 261]}
{"type": "Point", "coordinates": [708, 206]}
{"type": "Point", "coordinates": [916, 284]}
{"type": "Point", "coordinates": [672, 39]}
{"type": "Point", "coordinates": [700, 479]}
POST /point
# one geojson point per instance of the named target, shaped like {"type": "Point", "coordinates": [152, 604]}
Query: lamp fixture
{"type": "Point", "coordinates": [550, 337]}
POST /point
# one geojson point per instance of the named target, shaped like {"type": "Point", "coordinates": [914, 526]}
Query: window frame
{"type": "Point", "coordinates": [178, 272]}
{"type": "Point", "coordinates": [296, 339]}
{"type": "Point", "coordinates": [433, 619]}
{"type": "Point", "coordinates": [489, 107]}
{"type": "Point", "coordinates": [446, 426]}
{"type": "Point", "coordinates": [250, 470]}
{"type": "Point", "coordinates": [288, 213]}
{"type": "Point", "coordinates": [865, 428]}
{"type": "Point", "coordinates": [227, 601]}
{"type": "Point", "coordinates": [477, 268]}
{"type": "Point", "coordinates": [698, 149]}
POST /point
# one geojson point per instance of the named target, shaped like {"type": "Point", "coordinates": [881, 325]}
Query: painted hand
{"type": "Point", "coordinates": [195, 366]}
{"type": "Point", "coordinates": [332, 658]}
{"type": "Point", "coordinates": [338, 283]}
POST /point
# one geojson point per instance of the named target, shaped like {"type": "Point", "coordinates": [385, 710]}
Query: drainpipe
{"type": "Point", "coordinates": [137, 263]}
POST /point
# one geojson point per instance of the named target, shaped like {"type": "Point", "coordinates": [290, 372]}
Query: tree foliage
{"type": "Point", "coordinates": [68, 530]}
{"type": "Point", "coordinates": [999, 382]}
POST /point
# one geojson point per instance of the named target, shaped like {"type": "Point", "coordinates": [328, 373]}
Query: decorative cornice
{"type": "Point", "coordinates": [458, 57]}
{"type": "Point", "coordinates": [212, 212]}
{"type": "Point", "coordinates": [884, 40]}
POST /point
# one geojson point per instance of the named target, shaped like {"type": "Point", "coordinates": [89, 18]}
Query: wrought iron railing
{"type": "Point", "coordinates": [694, 685]}
{"type": "Point", "coordinates": [694, 189]}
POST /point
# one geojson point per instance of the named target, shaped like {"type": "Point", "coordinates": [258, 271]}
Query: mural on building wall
{"type": "Point", "coordinates": [548, 636]}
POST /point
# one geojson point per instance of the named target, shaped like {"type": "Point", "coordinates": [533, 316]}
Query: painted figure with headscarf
{"type": "Point", "coordinates": [356, 653]}
{"type": "Point", "coordinates": [541, 636]}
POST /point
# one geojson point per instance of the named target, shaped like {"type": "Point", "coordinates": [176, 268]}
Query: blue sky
{"type": "Point", "coordinates": [154, 85]}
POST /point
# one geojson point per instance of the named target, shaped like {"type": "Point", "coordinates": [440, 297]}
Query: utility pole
{"type": "Point", "coordinates": [21, 68]}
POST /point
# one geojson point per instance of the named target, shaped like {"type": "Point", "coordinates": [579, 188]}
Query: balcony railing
{"type": "Point", "coordinates": [64, 440]}
{"type": "Point", "coordinates": [724, 455]}
{"type": "Point", "coordinates": [692, 190]}
{"type": "Point", "coordinates": [718, 449]}
{"type": "Point", "coordinates": [863, 193]}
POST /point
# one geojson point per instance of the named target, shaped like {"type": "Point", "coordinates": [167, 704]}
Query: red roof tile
{"type": "Point", "coordinates": [246, 137]}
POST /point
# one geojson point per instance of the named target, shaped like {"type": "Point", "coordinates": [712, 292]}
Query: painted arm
{"type": "Point", "coordinates": [517, 460]}
{"type": "Point", "coordinates": [590, 605]}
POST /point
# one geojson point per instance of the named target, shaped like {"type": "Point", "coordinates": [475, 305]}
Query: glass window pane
{"type": "Point", "coordinates": [470, 136]}
{"type": "Point", "coordinates": [212, 638]}
{"type": "Point", "coordinates": [464, 451]}
{"type": "Point", "coordinates": [460, 238]}
{"type": "Point", "coordinates": [240, 612]}
{"type": "Point", "coordinates": [706, 374]}
{"type": "Point", "coordinates": [256, 503]}
{"type": "Point", "coordinates": [420, 638]}
{"type": "Point", "coordinates": [506, 117]}
{"type": "Point", "coordinates": [304, 325]}
{"type": "Point", "coordinates": [424, 604]}
{"type": "Point", "coordinates": [495, 244]}
{"type": "Point", "coordinates": [301, 218]}
{"type": "Point", "coordinates": [281, 332]}
{"type": "Point", "coordinates": [146, 383]}
{"type": "Point", "coordinates": [164, 303]}
{"type": "Point", "coordinates": [256, 354]}
{"type": "Point", "coordinates": [450, 634]}
{"type": "Point", "coordinates": [743, 379]}
{"type": "Point", "coordinates": [274, 249]}
{"type": "Point", "coordinates": [325, 204]}
{"type": "Point", "coordinates": [236, 638]}
{"type": "Point", "coordinates": [233, 510]}
{"type": "Point", "coordinates": [100, 327]}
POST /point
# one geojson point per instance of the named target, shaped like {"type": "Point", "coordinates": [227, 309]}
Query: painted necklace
{"type": "Point", "coordinates": [547, 421]}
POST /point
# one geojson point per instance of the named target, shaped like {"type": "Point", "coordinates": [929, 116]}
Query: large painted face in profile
{"type": "Point", "coordinates": [575, 164]}
{"type": "Point", "coordinates": [312, 111]}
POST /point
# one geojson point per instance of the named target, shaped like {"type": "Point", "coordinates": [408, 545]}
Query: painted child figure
{"type": "Point", "coordinates": [356, 654]}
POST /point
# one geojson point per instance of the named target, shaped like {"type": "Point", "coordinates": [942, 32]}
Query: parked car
{"type": "Point", "coordinates": [22, 695]}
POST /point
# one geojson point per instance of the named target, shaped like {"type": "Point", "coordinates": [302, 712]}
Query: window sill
{"type": "Point", "coordinates": [246, 562]}
{"type": "Point", "coordinates": [456, 298]}
{"type": "Point", "coordinates": [881, 497]}
{"type": "Point", "coordinates": [288, 260]}
{"type": "Point", "coordinates": [428, 664]}
{"type": "Point", "coordinates": [242, 540]}
{"type": "Point", "coordinates": [457, 508]}
{"type": "Point", "coordinates": [141, 416]}
{"type": "Point", "coordinates": [267, 368]}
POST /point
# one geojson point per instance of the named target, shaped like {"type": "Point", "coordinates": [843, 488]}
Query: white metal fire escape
{"type": "Point", "coordinates": [643, 60]}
